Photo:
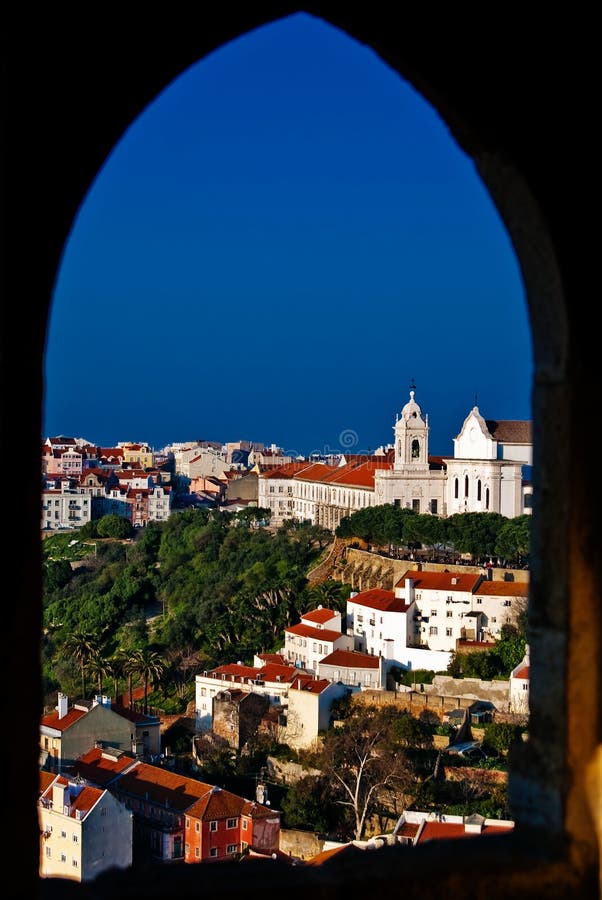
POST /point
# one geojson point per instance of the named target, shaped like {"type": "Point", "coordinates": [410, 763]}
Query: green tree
{"type": "Point", "coordinates": [501, 736]}
{"type": "Point", "coordinates": [363, 762]}
{"type": "Point", "coordinates": [310, 804]}
{"type": "Point", "coordinates": [99, 668]}
{"type": "Point", "coordinates": [81, 645]}
{"type": "Point", "coordinates": [114, 527]}
{"type": "Point", "coordinates": [150, 666]}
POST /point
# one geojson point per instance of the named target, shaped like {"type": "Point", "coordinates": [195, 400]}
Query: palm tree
{"type": "Point", "coordinates": [131, 668]}
{"type": "Point", "coordinates": [99, 667]}
{"type": "Point", "coordinates": [151, 667]}
{"type": "Point", "coordinates": [115, 669]}
{"type": "Point", "coordinates": [82, 645]}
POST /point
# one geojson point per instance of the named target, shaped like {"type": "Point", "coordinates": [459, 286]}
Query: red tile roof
{"type": "Point", "coordinates": [441, 581]}
{"type": "Point", "coordinates": [503, 589]}
{"type": "Point", "coordinates": [320, 615]}
{"type": "Point", "coordinates": [287, 470]}
{"type": "Point", "coordinates": [351, 659]}
{"type": "Point", "coordinates": [377, 598]}
{"type": "Point", "coordinates": [101, 766]}
{"type": "Point", "coordinates": [437, 831]}
{"type": "Point", "coordinates": [522, 673]}
{"type": "Point", "coordinates": [308, 631]}
{"type": "Point", "coordinates": [186, 795]}
{"type": "Point", "coordinates": [52, 719]}
{"type": "Point", "coordinates": [334, 853]}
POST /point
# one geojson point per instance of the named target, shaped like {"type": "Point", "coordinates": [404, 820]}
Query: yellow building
{"type": "Point", "coordinates": [84, 830]}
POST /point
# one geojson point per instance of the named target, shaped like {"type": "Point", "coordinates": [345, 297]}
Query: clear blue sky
{"type": "Point", "coordinates": [284, 239]}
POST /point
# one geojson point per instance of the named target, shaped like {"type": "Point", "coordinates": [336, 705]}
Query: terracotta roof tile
{"type": "Point", "coordinates": [322, 634]}
{"type": "Point", "coordinates": [319, 615]}
{"type": "Point", "coordinates": [377, 598]}
{"type": "Point", "coordinates": [441, 581]}
{"type": "Point", "coordinates": [351, 659]}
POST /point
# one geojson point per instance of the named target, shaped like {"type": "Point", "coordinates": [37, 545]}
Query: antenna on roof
{"type": "Point", "coordinates": [412, 384]}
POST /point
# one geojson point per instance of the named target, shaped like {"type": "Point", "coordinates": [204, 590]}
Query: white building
{"type": "Point", "coordinates": [66, 506]}
{"type": "Point", "coordinates": [306, 644]}
{"type": "Point", "coordinates": [357, 670]}
{"type": "Point", "coordinates": [308, 711]}
{"type": "Point", "coordinates": [519, 686]}
{"type": "Point", "coordinates": [484, 475]}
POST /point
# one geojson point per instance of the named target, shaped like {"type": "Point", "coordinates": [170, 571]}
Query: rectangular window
{"type": "Point", "coordinates": [213, 851]}
{"type": "Point", "coordinates": [433, 630]}
{"type": "Point", "coordinates": [479, 600]}
{"type": "Point", "coordinates": [197, 827]}
{"type": "Point", "coordinates": [244, 824]}
{"type": "Point", "coordinates": [448, 632]}
{"type": "Point", "coordinates": [450, 614]}
{"type": "Point", "coordinates": [75, 839]}
{"type": "Point", "coordinates": [231, 823]}
{"type": "Point", "coordinates": [187, 823]}
{"type": "Point", "coordinates": [63, 857]}
{"type": "Point", "coordinates": [197, 852]}
{"type": "Point", "coordinates": [213, 826]}
{"type": "Point", "coordinates": [63, 834]}
{"type": "Point", "coordinates": [48, 852]}
{"type": "Point", "coordinates": [74, 863]}
{"type": "Point", "coordinates": [232, 848]}
{"type": "Point", "coordinates": [433, 612]}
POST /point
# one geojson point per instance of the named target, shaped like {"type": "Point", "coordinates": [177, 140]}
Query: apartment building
{"type": "Point", "coordinates": [70, 730]}
{"type": "Point", "coordinates": [84, 830]}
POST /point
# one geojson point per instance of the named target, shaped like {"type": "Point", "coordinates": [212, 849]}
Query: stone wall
{"type": "Point", "coordinates": [365, 570]}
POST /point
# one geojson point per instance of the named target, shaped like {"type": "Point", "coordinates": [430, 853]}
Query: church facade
{"type": "Point", "coordinates": [487, 473]}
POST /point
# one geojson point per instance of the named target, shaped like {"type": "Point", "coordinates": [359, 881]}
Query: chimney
{"type": "Point", "coordinates": [63, 705]}
{"type": "Point", "coordinates": [60, 796]}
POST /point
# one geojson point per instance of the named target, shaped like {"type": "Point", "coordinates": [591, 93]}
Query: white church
{"type": "Point", "coordinates": [485, 474]}
{"type": "Point", "coordinates": [489, 472]}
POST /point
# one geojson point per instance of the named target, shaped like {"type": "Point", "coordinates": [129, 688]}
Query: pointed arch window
{"type": "Point", "coordinates": [466, 485]}
{"type": "Point", "coordinates": [456, 489]}
{"type": "Point", "coordinates": [487, 499]}
{"type": "Point", "coordinates": [479, 489]}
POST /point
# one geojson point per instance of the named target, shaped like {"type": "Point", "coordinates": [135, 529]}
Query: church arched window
{"type": "Point", "coordinates": [479, 487]}
{"type": "Point", "coordinates": [466, 485]}
{"type": "Point", "coordinates": [415, 449]}
{"type": "Point", "coordinates": [487, 499]}
{"type": "Point", "coordinates": [456, 488]}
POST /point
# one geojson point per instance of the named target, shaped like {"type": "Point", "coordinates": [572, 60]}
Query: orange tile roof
{"type": "Point", "coordinates": [351, 659]}
{"type": "Point", "coordinates": [377, 598]}
{"type": "Point", "coordinates": [441, 581]}
{"type": "Point", "coordinates": [287, 470]}
{"type": "Point", "coordinates": [270, 672]}
{"type": "Point", "coordinates": [334, 853]}
{"type": "Point", "coordinates": [308, 631]}
{"type": "Point", "coordinates": [522, 673]}
{"type": "Point", "coordinates": [320, 615]}
{"type": "Point", "coordinates": [310, 684]}
{"type": "Point", "coordinates": [437, 831]}
{"type": "Point", "coordinates": [46, 779]}
{"type": "Point", "coordinates": [52, 719]}
{"type": "Point", "coordinates": [101, 767]}
{"type": "Point", "coordinates": [314, 472]}
{"type": "Point", "coordinates": [503, 589]}
{"type": "Point", "coordinates": [187, 795]}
